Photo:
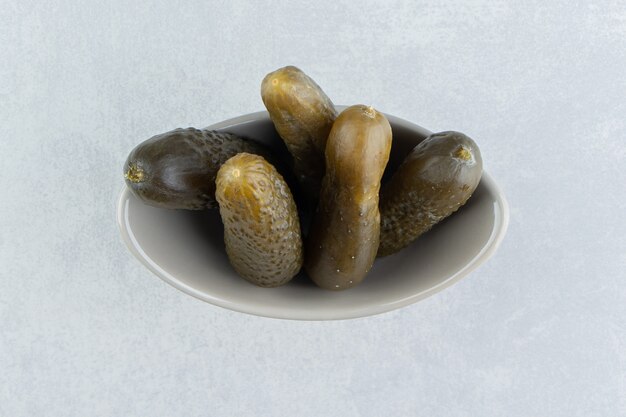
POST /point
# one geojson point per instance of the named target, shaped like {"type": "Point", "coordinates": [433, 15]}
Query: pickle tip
{"type": "Point", "coordinates": [463, 153]}
{"type": "Point", "coordinates": [369, 111]}
{"type": "Point", "coordinates": [235, 172]}
{"type": "Point", "coordinates": [134, 174]}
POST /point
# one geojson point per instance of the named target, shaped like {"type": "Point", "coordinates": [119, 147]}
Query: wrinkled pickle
{"type": "Point", "coordinates": [261, 226]}
{"type": "Point", "coordinates": [437, 177]}
{"type": "Point", "coordinates": [177, 169]}
{"type": "Point", "coordinates": [344, 236]}
{"type": "Point", "coordinates": [303, 116]}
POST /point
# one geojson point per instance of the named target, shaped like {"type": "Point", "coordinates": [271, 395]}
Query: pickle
{"type": "Point", "coordinates": [343, 240]}
{"type": "Point", "coordinates": [261, 225]}
{"type": "Point", "coordinates": [177, 169]}
{"type": "Point", "coordinates": [437, 177]}
{"type": "Point", "coordinates": [303, 116]}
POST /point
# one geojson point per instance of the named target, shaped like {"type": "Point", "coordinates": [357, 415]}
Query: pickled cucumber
{"type": "Point", "coordinates": [437, 177]}
{"type": "Point", "coordinates": [303, 116]}
{"type": "Point", "coordinates": [177, 169]}
{"type": "Point", "coordinates": [261, 226]}
{"type": "Point", "coordinates": [344, 236]}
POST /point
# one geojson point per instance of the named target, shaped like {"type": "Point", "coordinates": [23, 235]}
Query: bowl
{"type": "Point", "coordinates": [186, 249]}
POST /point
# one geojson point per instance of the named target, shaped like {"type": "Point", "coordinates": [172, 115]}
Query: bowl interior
{"type": "Point", "coordinates": [185, 248]}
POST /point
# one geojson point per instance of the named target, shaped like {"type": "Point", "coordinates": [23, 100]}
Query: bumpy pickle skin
{"type": "Point", "coordinates": [343, 240]}
{"type": "Point", "coordinates": [437, 177]}
{"type": "Point", "coordinates": [261, 225]}
{"type": "Point", "coordinates": [177, 169]}
{"type": "Point", "coordinates": [303, 116]}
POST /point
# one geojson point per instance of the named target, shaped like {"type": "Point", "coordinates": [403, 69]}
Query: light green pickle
{"type": "Point", "coordinates": [343, 240]}
{"type": "Point", "coordinates": [303, 116]}
{"type": "Point", "coordinates": [261, 225]}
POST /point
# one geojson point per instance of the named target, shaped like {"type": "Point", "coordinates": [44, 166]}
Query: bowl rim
{"type": "Point", "coordinates": [495, 239]}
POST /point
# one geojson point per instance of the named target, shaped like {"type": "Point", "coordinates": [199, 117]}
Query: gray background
{"type": "Point", "coordinates": [538, 330]}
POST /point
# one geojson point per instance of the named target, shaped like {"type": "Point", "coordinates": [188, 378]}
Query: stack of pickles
{"type": "Point", "coordinates": [338, 160]}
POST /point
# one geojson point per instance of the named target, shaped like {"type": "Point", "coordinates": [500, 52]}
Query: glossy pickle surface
{"type": "Point", "coordinates": [437, 177]}
{"type": "Point", "coordinates": [344, 236]}
{"type": "Point", "coordinates": [177, 169]}
{"type": "Point", "coordinates": [303, 116]}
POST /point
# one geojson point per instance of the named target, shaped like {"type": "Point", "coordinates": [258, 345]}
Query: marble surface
{"type": "Point", "coordinates": [539, 330]}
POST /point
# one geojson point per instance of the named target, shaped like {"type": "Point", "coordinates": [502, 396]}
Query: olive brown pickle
{"type": "Point", "coordinates": [303, 116]}
{"type": "Point", "coordinates": [261, 226]}
{"type": "Point", "coordinates": [434, 180]}
{"type": "Point", "coordinates": [343, 241]}
{"type": "Point", "coordinates": [177, 169]}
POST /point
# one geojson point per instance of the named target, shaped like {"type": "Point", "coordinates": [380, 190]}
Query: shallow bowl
{"type": "Point", "coordinates": [186, 250]}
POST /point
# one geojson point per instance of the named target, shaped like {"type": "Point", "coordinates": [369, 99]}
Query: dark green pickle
{"type": "Point", "coordinates": [434, 180]}
{"type": "Point", "coordinates": [177, 169]}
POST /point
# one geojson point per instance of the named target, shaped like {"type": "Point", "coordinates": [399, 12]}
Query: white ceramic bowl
{"type": "Point", "coordinates": [185, 248]}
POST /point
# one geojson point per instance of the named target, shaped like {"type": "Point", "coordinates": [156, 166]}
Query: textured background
{"type": "Point", "coordinates": [539, 330]}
